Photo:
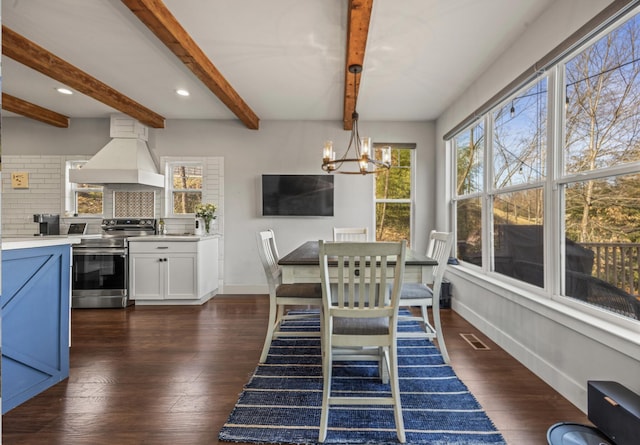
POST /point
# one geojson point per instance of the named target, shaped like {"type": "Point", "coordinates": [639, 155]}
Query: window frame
{"type": "Point", "coordinates": [72, 189]}
{"type": "Point", "coordinates": [170, 190]}
{"type": "Point", "coordinates": [553, 184]}
{"type": "Point", "coordinates": [410, 200]}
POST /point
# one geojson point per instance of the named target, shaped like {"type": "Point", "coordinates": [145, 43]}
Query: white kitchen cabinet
{"type": "Point", "coordinates": [173, 271]}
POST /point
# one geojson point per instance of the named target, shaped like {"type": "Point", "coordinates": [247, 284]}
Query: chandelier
{"type": "Point", "coordinates": [363, 161]}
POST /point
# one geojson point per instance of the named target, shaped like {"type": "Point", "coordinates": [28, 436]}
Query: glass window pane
{"type": "Point", "coordinates": [602, 263]}
{"type": "Point", "coordinates": [83, 199]}
{"type": "Point", "coordinates": [89, 203]}
{"type": "Point", "coordinates": [469, 147]}
{"type": "Point", "coordinates": [518, 235]}
{"type": "Point", "coordinates": [519, 138]}
{"type": "Point", "coordinates": [393, 221]}
{"type": "Point", "coordinates": [185, 177]}
{"type": "Point", "coordinates": [395, 183]}
{"type": "Point", "coordinates": [185, 202]}
{"type": "Point", "coordinates": [469, 234]}
{"type": "Point", "coordinates": [393, 218]}
{"type": "Point", "coordinates": [603, 92]}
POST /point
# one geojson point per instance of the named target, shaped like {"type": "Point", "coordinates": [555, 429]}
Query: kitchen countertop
{"type": "Point", "coordinates": [38, 241]}
{"type": "Point", "coordinates": [55, 240]}
{"type": "Point", "coordinates": [173, 237]}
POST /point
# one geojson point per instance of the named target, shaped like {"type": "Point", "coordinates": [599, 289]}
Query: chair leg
{"type": "Point", "coordinates": [383, 365]}
{"type": "Point", "coordinates": [271, 327]}
{"type": "Point", "coordinates": [425, 317]}
{"type": "Point", "coordinates": [439, 336]}
{"type": "Point", "coordinates": [326, 388]}
{"type": "Point", "coordinates": [395, 392]}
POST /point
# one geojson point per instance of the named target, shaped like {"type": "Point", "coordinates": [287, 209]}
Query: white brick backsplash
{"type": "Point", "coordinates": [46, 194]}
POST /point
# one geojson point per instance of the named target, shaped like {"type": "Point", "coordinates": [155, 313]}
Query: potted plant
{"type": "Point", "coordinates": [207, 212]}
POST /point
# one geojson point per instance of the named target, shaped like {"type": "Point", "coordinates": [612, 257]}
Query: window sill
{"type": "Point", "coordinates": [623, 337]}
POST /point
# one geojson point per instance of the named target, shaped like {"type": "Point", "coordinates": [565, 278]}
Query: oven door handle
{"type": "Point", "coordinates": [104, 252]}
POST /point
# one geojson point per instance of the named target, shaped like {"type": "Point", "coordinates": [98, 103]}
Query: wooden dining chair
{"type": "Point", "coordinates": [422, 296]}
{"type": "Point", "coordinates": [282, 296]}
{"type": "Point", "coordinates": [350, 234]}
{"type": "Point", "coordinates": [360, 318]}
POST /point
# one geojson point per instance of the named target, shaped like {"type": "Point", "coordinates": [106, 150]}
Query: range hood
{"type": "Point", "coordinates": [126, 159]}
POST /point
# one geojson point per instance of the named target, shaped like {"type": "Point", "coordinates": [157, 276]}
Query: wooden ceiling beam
{"type": "Point", "coordinates": [33, 111]}
{"type": "Point", "coordinates": [155, 15]}
{"type": "Point", "coordinates": [28, 53]}
{"type": "Point", "coordinates": [358, 19]}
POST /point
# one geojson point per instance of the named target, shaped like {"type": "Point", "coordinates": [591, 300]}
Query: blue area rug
{"type": "Point", "coordinates": [281, 404]}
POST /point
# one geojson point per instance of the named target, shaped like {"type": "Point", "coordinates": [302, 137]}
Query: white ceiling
{"type": "Point", "coordinates": [285, 58]}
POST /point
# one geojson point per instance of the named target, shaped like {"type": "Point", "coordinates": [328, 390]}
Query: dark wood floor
{"type": "Point", "coordinates": [172, 374]}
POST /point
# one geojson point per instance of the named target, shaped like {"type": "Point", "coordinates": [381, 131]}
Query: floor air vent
{"type": "Point", "coordinates": [475, 342]}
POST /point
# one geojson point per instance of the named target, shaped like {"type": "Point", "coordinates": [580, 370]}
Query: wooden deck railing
{"type": "Point", "coordinates": [617, 264]}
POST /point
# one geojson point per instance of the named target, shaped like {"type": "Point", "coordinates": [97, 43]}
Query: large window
{"type": "Point", "coordinates": [83, 199]}
{"type": "Point", "coordinates": [601, 192]}
{"type": "Point", "coordinates": [562, 184]}
{"type": "Point", "coordinates": [394, 198]}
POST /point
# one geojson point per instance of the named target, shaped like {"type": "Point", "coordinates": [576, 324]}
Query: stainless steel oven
{"type": "Point", "coordinates": [100, 272]}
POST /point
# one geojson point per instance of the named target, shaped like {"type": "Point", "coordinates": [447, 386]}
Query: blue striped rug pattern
{"type": "Point", "coordinates": [281, 403]}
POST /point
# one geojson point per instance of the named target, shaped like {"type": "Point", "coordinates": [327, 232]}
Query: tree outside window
{"type": "Point", "coordinates": [185, 187]}
{"type": "Point", "coordinates": [394, 196]}
{"type": "Point", "coordinates": [469, 153]}
{"type": "Point", "coordinates": [86, 199]}
{"type": "Point", "coordinates": [569, 173]}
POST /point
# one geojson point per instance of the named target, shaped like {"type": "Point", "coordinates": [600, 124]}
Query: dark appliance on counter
{"type": "Point", "coordinates": [100, 272]}
{"type": "Point", "coordinates": [48, 224]}
{"type": "Point", "coordinates": [77, 229]}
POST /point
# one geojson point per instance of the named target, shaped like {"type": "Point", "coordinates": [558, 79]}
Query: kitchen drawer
{"type": "Point", "coordinates": [163, 247]}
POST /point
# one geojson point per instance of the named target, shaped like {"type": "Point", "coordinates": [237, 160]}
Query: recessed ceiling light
{"type": "Point", "coordinates": [182, 92]}
{"type": "Point", "coordinates": [64, 91]}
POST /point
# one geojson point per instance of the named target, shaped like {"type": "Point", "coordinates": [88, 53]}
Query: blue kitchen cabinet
{"type": "Point", "coordinates": [35, 321]}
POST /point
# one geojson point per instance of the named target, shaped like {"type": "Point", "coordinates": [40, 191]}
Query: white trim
{"type": "Point", "coordinates": [255, 289]}
{"type": "Point", "coordinates": [622, 339]}
{"type": "Point", "coordinates": [563, 346]}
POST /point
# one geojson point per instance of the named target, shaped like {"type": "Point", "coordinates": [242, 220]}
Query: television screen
{"type": "Point", "coordinates": [297, 195]}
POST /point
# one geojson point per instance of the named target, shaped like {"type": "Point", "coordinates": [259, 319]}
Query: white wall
{"type": "Point", "coordinates": [278, 147]}
{"type": "Point", "coordinates": [564, 347]}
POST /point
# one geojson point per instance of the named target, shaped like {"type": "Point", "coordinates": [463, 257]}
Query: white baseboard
{"type": "Point", "coordinates": [245, 289]}
{"type": "Point", "coordinates": [559, 381]}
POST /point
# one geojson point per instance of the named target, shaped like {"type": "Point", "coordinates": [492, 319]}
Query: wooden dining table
{"type": "Point", "coordinates": [302, 265]}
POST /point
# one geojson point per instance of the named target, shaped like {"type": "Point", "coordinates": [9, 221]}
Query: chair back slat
{"type": "Point", "coordinates": [350, 234]}
{"type": "Point", "coordinates": [268, 253]}
{"type": "Point", "coordinates": [439, 249]}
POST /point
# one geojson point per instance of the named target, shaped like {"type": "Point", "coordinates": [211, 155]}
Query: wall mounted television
{"type": "Point", "coordinates": [297, 195]}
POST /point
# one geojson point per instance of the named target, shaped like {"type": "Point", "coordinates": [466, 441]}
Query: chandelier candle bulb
{"type": "Point", "coordinates": [327, 153]}
{"type": "Point", "coordinates": [386, 155]}
{"type": "Point", "coordinates": [365, 144]}
{"type": "Point", "coordinates": [328, 156]}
